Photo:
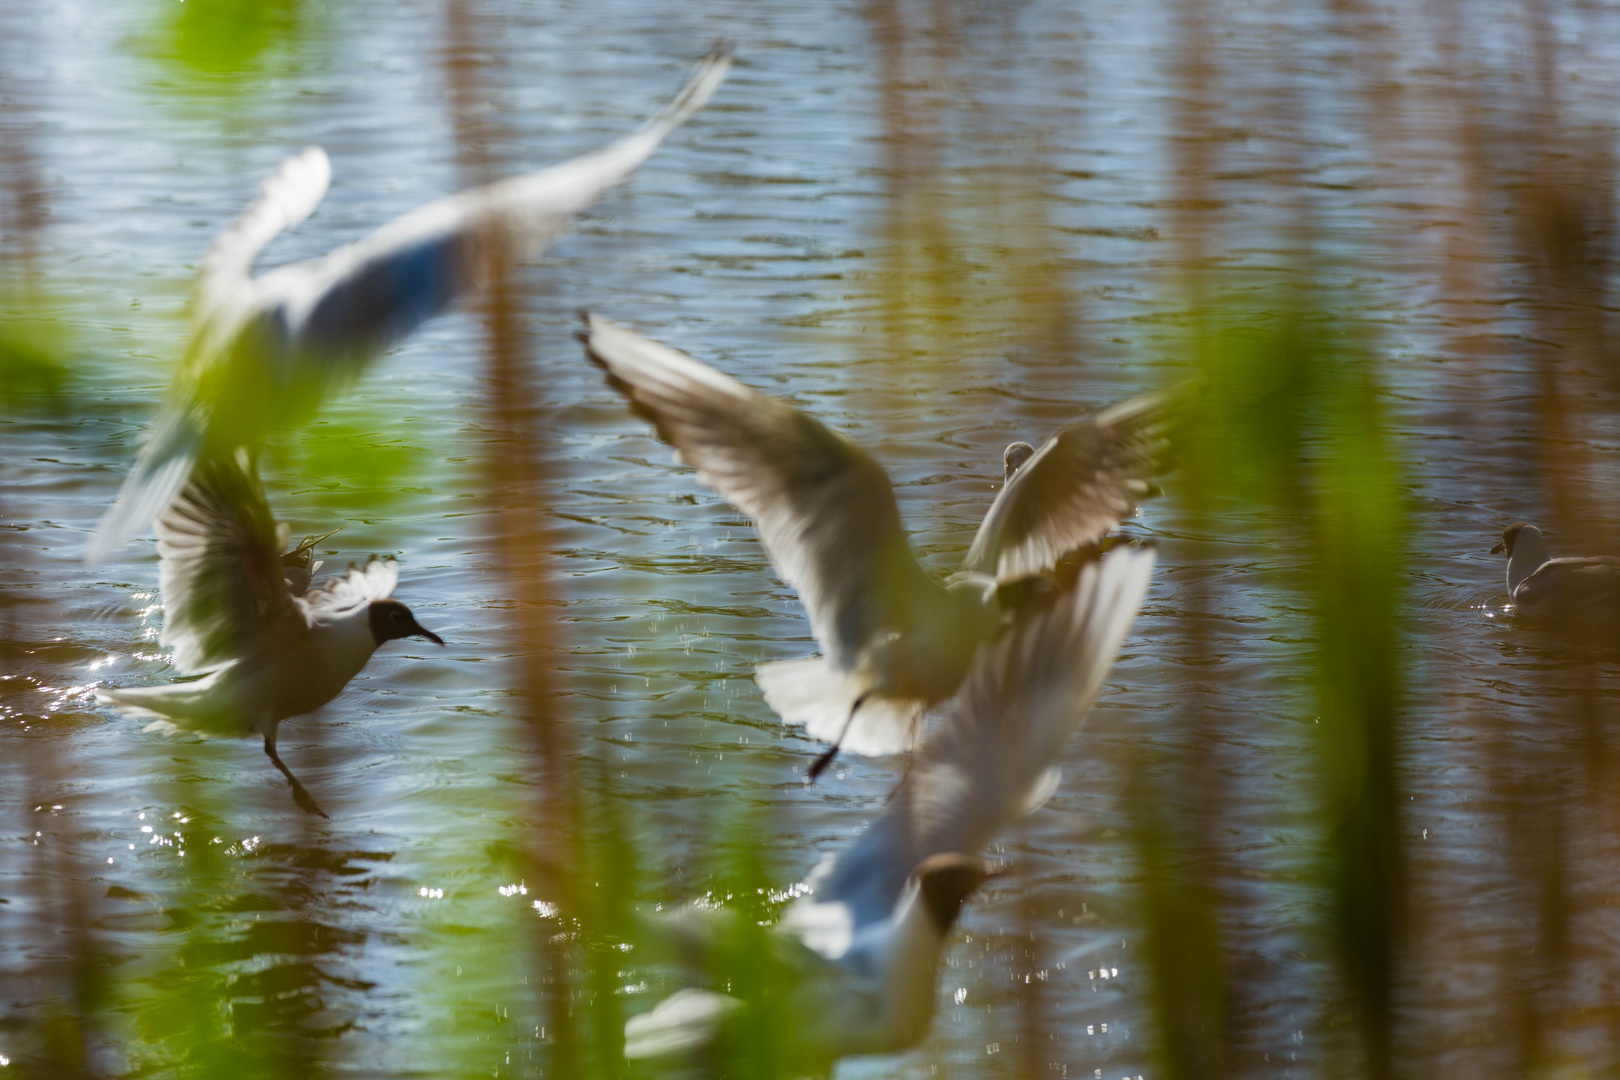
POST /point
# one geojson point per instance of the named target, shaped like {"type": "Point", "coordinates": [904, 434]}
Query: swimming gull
{"type": "Point", "coordinates": [1570, 590]}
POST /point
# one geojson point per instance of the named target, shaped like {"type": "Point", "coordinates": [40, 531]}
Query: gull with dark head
{"type": "Point", "coordinates": [1571, 590]}
{"type": "Point", "coordinates": [267, 650]}
{"type": "Point", "coordinates": [851, 967]}
{"type": "Point", "coordinates": [893, 639]}
{"type": "Point", "coordinates": [265, 351]}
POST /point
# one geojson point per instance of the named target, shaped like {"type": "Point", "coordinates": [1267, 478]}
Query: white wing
{"type": "Point", "coordinates": [219, 569]}
{"type": "Point", "coordinates": [824, 507]}
{"type": "Point", "coordinates": [359, 585]}
{"type": "Point", "coordinates": [1080, 484]}
{"type": "Point", "coordinates": [284, 200]}
{"type": "Point", "coordinates": [342, 310]}
{"type": "Point", "coordinates": [264, 352]}
{"type": "Point", "coordinates": [995, 741]}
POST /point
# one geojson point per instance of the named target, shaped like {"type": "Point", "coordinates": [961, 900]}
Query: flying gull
{"type": "Point", "coordinates": [850, 968]}
{"type": "Point", "coordinates": [265, 351]}
{"type": "Point", "coordinates": [893, 639]}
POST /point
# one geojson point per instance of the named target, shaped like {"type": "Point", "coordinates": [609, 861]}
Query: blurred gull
{"type": "Point", "coordinates": [1568, 589]}
{"type": "Point", "coordinates": [230, 612]}
{"type": "Point", "coordinates": [852, 965]}
{"type": "Point", "coordinates": [893, 639]}
{"type": "Point", "coordinates": [265, 350]}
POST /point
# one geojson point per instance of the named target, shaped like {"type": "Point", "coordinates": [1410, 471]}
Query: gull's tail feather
{"type": "Point", "coordinates": [814, 694]}
{"type": "Point", "coordinates": [159, 473]}
{"type": "Point", "coordinates": [688, 1020]}
{"type": "Point", "coordinates": [191, 706]}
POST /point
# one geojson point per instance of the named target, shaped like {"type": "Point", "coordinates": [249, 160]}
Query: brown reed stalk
{"type": "Point", "coordinates": [516, 489]}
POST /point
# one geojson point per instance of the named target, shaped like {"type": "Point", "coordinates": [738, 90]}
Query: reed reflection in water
{"type": "Point", "coordinates": [1337, 813]}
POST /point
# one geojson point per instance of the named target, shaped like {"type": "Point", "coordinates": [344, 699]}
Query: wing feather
{"type": "Point", "coordinates": [992, 746]}
{"type": "Point", "coordinates": [284, 200]}
{"type": "Point", "coordinates": [376, 580]}
{"type": "Point", "coordinates": [219, 568]}
{"type": "Point", "coordinates": [362, 298]}
{"type": "Point", "coordinates": [823, 506]}
{"type": "Point", "coordinates": [1079, 485]}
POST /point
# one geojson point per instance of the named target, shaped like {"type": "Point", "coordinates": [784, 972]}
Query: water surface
{"type": "Point", "coordinates": [777, 238]}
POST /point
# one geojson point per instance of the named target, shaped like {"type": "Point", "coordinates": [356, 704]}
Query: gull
{"type": "Point", "coordinates": [264, 351]}
{"type": "Point", "coordinates": [850, 968]}
{"type": "Point", "coordinates": [266, 654]}
{"type": "Point", "coordinates": [1569, 589]}
{"type": "Point", "coordinates": [893, 639]}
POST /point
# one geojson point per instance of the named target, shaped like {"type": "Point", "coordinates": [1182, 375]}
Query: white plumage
{"type": "Point", "coordinates": [230, 615]}
{"type": "Point", "coordinates": [264, 351]}
{"type": "Point", "coordinates": [1572, 591]}
{"type": "Point", "coordinates": [893, 640]}
{"type": "Point", "coordinates": [851, 967]}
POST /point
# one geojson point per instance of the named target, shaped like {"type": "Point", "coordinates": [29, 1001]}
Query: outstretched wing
{"type": "Point", "coordinates": [346, 308]}
{"type": "Point", "coordinates": [825, 510]}
{"type": "Point", "coordinates": [219, 568]}
{"type": "Point", "coordinates": [991, 751]}
{"type": "Point", "coordinates": [166, 461]}
{"type": "Point", "coordinates": [325, 319]}
{"type": "Point", "coordinates": [284, 200]}
{"type": "Point", "coordinates": [1082, 483]}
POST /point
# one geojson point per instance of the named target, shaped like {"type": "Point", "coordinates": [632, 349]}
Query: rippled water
{"type": "Point", "coordinates": [762, 240]}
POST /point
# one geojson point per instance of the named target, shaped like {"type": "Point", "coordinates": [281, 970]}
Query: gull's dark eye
{"type": "Point", "coordinates": [399, 616]}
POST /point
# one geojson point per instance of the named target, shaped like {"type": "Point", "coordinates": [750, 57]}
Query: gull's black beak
{"type": "Point", "coordinates": [1499, 548]}
{"type": "Point", "coordinates": [418, 630]}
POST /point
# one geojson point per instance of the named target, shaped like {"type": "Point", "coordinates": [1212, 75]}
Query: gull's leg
{"type": "Point", "coordinates": [300, 796]}
{"type": "Point", "coordinates": [905, 772]}
{"type": "Point", "coordinates": [819, 766]}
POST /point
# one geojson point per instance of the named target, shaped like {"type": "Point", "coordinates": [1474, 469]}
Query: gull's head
{"type": "Point", "coordinates": [1510, 536]}
{"type": "Point", "coordinates": [945, 881]}
{"type": "Point", "coordinates": [391, 619]}
{"type": "Point", "coordinates": [1013, 458]}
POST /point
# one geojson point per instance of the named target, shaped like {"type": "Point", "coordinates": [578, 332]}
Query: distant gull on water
{"type": "Point", "coordinates": [1578, 590]}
